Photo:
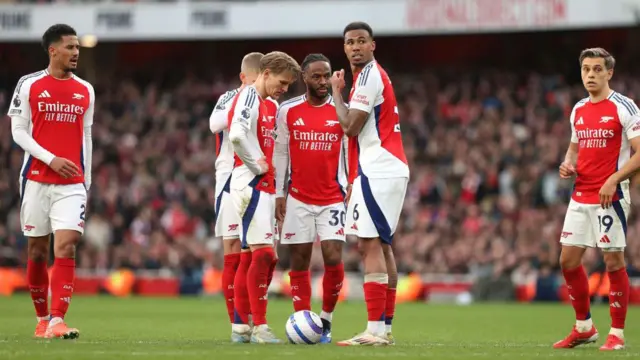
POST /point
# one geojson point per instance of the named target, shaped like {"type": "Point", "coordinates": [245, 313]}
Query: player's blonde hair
{"type": "Point", "coordinates": [278, 62]}
{"type": "Point", "coordinates": [609, 60]}
{"type": "Point", "coordinates": [251, 62]}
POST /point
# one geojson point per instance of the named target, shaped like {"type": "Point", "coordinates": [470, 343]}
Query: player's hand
{"type": "Point", "coordinates": [606, 193]}
{"type": "Point", "coordinates": [337, 80]}
{"type": "Point", "coordinates": [281, 209]}
{"type": "Point", "coordinates": [346, 199]}
{"type": "Point", "coordinates": [264, 166]}
{"type": "Point", "coordinates": [567, 170]}
{"type": "Point", "coordinates": [64, 167]}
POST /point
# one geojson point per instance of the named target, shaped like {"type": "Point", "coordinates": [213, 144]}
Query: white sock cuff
{"type": "Point", "coordinates": [380, 278]}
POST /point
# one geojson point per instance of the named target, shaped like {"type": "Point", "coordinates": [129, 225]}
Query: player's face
{"type": "Point", "coordinates": [278, 84]}
{"type": "Point", "coordinates": [594, 74]}
{"type": "Point", "coordinates": [66, 52]}
{"type": "Point", "coordinates": [316, 77]}
{"type": "Point", "coordinates": [359, 47]}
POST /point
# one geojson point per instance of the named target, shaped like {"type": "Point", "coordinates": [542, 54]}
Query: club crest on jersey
{"type": "Point", "coordinates": [605, 119]}
{"type": "Point", "coordinates": [246, 113]}
{"type": "Point", "coordinates": [16, 101]}
{"type": "Point", "coordinates": [331, 123]}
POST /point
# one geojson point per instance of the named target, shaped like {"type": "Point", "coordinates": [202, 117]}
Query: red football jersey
{"type": "Point", "coordinates": [316, 151]}
{"type": "Point", "coordinates": [58, 110]}
{"type": "Point", "coordinates": [602, 131]}
{"type": "Point", "coordinates": [261, 127]}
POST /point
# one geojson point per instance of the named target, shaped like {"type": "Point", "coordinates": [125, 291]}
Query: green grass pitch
{"type": "Point", "coordinates": [197, 328]}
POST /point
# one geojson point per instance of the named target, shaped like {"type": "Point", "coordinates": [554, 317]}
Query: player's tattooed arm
{"type": "Point", "coordinates": [568, 166]}
{"type": "Point", "coordinates": [351, 120]}
{"type": "Point", "coordinates": [281, 151]}
{"type": "Point", "coordinates": [218, 119]}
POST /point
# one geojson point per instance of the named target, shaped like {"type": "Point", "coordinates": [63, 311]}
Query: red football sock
{"type": "Point", "coordinates": [578, 285]}
{"type": "Point", "coordinates": [38, 278]}
{"type": "Point", "coordinates": [390, 308]}
{"type": "Point", "coordinates": [331, 286]}
{"type": "Point", "coordinates": [271, 270]}
{"type": "Point", "coordinates": [301, 289]}
{"type": "Point", "coordinates": [62, 279]}
{"type": "Point", "coordinates": [618, 297]}
{"type": "Point", "coordinates": [257, 283]}
{"type": "Point", "coordinates": [240, 294]}
{"type": "Point", "coordinates": [231, 263]}
{"type": "Point", "coordinates": [375, 294]}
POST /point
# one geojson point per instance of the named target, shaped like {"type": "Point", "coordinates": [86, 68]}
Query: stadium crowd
{"type": "Point", "coordinates": [484, 197]}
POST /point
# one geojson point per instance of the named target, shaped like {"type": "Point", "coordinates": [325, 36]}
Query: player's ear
{"type": "Point", "coordinates": [609, 74]}
{"type": "Point", "coordinates": [242, 77]}
{"type": "Point", "coordinates": [373, 45]}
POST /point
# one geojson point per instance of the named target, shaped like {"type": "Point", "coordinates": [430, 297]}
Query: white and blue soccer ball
{"type": "Point", "coordinates": [304, 327]}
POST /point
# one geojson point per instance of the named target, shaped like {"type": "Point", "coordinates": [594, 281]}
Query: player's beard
{"type": "Point", "coordinates": [315, 93]}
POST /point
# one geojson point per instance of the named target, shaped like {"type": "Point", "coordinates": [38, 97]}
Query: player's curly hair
{"type": "Point", "coordinates": [278, 62]}
{"type": "Point", "coordinates": [609, 60]}
{"type": "Point", "coordinates": [311, 58]}
{"type": "Point", "coordinates": [55, 34]}
{"type": "Point", "coordinates": [358, 25]}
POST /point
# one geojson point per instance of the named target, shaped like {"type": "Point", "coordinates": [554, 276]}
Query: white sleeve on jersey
{"type": "Point", "coordinates": [88, 142]}
{"type": "Point", "coordinates": [574, 135]}
{"type": "Point", "coordinates": [218, 120]}
{"type": "Point", "coordinates": [245, 114]}
{"type": "Point", "coordinates": [20, 114]}
{"type": "Point", "coordinates": [281, 152]}
{"type": "Point", "coordinates": [630, 118]}
{"type": "Point", "coordinates": [343, 179]}
{"type": "Point", "coordinates": [367, 91]}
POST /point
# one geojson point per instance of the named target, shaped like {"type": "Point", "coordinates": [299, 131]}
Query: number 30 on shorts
{"type": "Point", "coordinates": [605, 221]}
{"type": "Point", "coordinates": [335, 220]}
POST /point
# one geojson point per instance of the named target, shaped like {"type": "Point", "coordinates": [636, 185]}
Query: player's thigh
{"type": "Point", "coordinates": [227, 219]}
{"type": "Point", "coordinates": [34, 208]}
{"type": "Point", "coordinates": [298, 226]}
{"type": "Point", "coordinates": [377, 207]}
{"type": "Point", "coordinates": [257, 221]}
{"type": "Point", "coordinates": [68, 207]}
{"type": "Point", "coordinates": [577, 229]}
{"type": "Point", "coordinates": [330, 221]}
{"type": "Point", "coordinates": [611, 225]}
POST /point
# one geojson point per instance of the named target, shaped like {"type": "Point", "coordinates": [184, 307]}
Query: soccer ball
{"type": "Point", "coordinates": [304, 327]}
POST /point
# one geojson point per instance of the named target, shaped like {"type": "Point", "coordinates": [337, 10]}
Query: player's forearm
{"type": "Point", "coordinates": [242, 147]}
{"type": "Point", "coordinates": [571, 156]}
{"type": "Point", "coordinates": [281, 159]}
{"type": "Point", "coordinates": [88, 156]}
{"type": "Point", "coordinates": [341, 110]}
{"type": "Point", "coordinates": [19, 131]}
{"type": "Point", "coordinates": [631, 167]}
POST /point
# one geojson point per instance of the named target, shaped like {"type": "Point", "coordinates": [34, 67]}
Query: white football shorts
{"type": "Point", "coordinates": [375, 206]}
{"type": "Point", "coordinates": [227, 221]}
{"type": "Point", "coordinates": [256, 210]}
{"type": "Point", "coordinates": [46, 208]}
{"type": "Point", "coordinates": [303, 223]}
{"type": "Point", "coordinates": [589, 225]}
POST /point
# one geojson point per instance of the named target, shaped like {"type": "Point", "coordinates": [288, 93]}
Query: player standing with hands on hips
{"type": "Point", "coordinates": [377, 193]}
{"type": "Point", "coordinates": [311, 142]}
{"type": "Point", "coordinates": [604, 128]}
{"type": "Point", "coordinates": [51, 117]}
{"type": "Point", "coordinates": [251, 132]}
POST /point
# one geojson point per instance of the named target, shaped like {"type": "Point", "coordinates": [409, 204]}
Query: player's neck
{"type": "Point", "coordinates": [600, 95]}
{"type": "Point", "coordinates": [58, 73]}
{"type": "Point", "coordinates": [316, 101]}
{"type": "Point", "coordinates": [355, 69]}
{"type": "Point", "coordinates": [261, 87]}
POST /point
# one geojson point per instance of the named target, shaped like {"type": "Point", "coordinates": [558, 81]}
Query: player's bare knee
{"type": "Point", "coordinates": [571, 257]}
{"type": "Point", "coordinates": [614, 260]}
{"type": "Point", "coordinates": [231, 246]}
{"type": "Point", "coordinates": [38, 248]}
{"type": "Point", "coordinates": [369, 246]}
{"type": "Point", "coordinates": [332, 252]}
{"type": "Point", "coordinates": [300, 256]}
{"type": "Point", "coordinates": [65, 242]}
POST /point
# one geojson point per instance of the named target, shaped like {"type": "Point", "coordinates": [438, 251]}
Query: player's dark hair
{"type": "Point", "coordinates": [278, 62]}
{"type": "Point", "coordinates": [358, 25]}
{"type": "Point", "coordinates": [55, 34]}
{"type": "Point", "coordinates": [609, 60]}
{"type": "Point", "coordinates": [311, 58]}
